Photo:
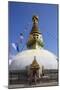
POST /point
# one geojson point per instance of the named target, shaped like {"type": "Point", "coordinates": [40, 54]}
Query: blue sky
{"type": "Point", "coordinates": [20, 21]}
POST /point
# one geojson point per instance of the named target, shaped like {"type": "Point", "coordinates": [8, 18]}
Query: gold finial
{"type": "Point", "coordinates": [35, 19]}
{"type": "Point", "coordinates": [35, 63]}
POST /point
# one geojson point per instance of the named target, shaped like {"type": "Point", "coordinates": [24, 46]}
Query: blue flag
{"type": "Point", "coordinates": [17, 47]}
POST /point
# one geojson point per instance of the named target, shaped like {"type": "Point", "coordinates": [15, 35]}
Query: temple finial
{"type": "Point", "coordinates": [35, 19]}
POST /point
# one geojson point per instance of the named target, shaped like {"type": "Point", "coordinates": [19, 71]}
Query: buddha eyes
{"type": "Point", "coordinates": [35, 36]}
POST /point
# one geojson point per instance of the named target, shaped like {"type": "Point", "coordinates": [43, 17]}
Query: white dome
{"type": "Point", "coordinates": [25, 58]}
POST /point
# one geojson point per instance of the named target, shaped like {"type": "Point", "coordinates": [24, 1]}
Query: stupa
{"type": "Point", "coordinates": [35, 63]}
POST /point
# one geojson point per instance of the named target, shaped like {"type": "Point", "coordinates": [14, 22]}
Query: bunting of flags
{"type": "Point", "coordinates": [16, 45]}
{"type": "Point", "coordinates": [20, 40]}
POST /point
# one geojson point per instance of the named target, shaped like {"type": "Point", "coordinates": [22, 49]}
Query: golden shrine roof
{"type": "Point", "coordinates": [35, 64]}
{"type": "Point", "coordinates": [34, 30]}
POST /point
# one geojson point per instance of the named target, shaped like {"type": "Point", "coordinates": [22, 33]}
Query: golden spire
{"type": "Point", "coordinates": [35, 39]}
{"type": "Point", "coordinates": [35, 63]}
{"type": "Point", "coordinates": [35, 25]}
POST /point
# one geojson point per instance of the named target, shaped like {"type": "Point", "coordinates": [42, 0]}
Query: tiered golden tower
{"type": "Point", "coordinates": [35, 39]}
